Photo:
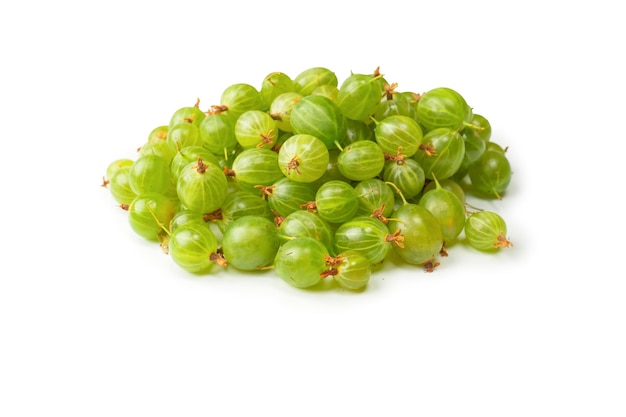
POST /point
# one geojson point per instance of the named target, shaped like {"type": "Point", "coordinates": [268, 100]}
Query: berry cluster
{"type": "Point", "coordinates": [314, 179]}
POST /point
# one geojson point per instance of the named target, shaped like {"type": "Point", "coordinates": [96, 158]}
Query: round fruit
{"type": "Point", "coordinates": [443, 107]}
{"type": "Point", "coordinates": [367, 235]}
{"type": "Point", "coordinates": [202, 187]}
{"type": "Point", "coordinates": [491, 174]}
{"type": "Point", "coordinates": [305, 224]}
{"type": "Point", "coordinates": [336, 201]}
{"type": "Point", "coordinates": [398, 132]}
{"type": "Point", "coordinates": [238, 98]}
{"type": "Point", "coordinates": [320, 117]}
{"type": "Point", "coordinates": [445, 157]}
{"type": "Point", "coordinates": [359, 96]}
{"type": "Point", "coordinates": [256, 166]}
{"type": "Point", "coordinates": [303, 158]}
{"type": "Point", "coordinates": [255, 128]}
{"type": "Point", "coordinates": [447, 209]}
{"type": "Point", "coordinates": [286, 196]}
{"type": "Point", "coordinates": [150, 214]}
{"type": "Point", "coordinates": [352, 270]}
{"type": "Point", "coordinates": [193, 247]}
{"type": "Point", "coordinates": [486, 230]}
{"type": "Point", "coordinates": [250, 243]}
{"type": "Point", "coordinates": [301, 262]}
{"type": "Point", "coordinates": [422, 239]}
{"type": "Point", "coordinates": [149, 174]}
{"type": "Point", "coordinates": [361, 160]}
{"type": "Point", "coordinates": [311, 78]}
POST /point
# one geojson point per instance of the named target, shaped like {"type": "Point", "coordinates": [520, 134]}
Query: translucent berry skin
{"type": "Point", "coordinates": [242, 203]}
{"type": "Point", "coordinates": [359, 96]}
{"type": "Point", "coordinates": [421, 231]}
{"type": "Point", "coordinates": [443, 107]}
{"type": "Point", "coordinates": [257, 166]}
{"type": "Point", "coordinates": [408, 175]}
{"type": "Point", "coordinates": [311, 78]}
{"type": "Point", "coordinates": [188, 155]}
{"type": "Point", "coordinates": [250, 243]}
{"type": "Point", "coordinates": [300, 262]}
{"type": "Point", "coordinates": [448, 184]}
{"type": "Point", "coordinates": [159, 148]}
{"type": "Point", "coordinates": [336, 201]}
{"type": "Point", "coordinates": [158, 134]}
{"type": "Point", "coordinates": [149, 213]}
{"type": "Point", "coordinates": [332, 170]}
{"type": "Point", "coordinates": [399, 131]}
{"type": "Point", "coordinates": [303, 158]}
{"type": "Point", "coordinates": [191, 247]}
{"type": "Point", "coordinates": [374, 194]}
{"type": "Point", "coordinates": [217, 133]}
{"type": "Point", "coordinates": [449, 150]}
{"type": "Point", "coordinates": [492, 146]}
{"type": "Point", "coordinates": [480, 128]}
{"type": "Point", "coordinates": [256, 128]}
{"type": "Point", "coordinates": [411, 100]}
{"type": "Point", "coordinates": [361, 160]}
{"type": "Point", "coordinates": [287, 196]}
{"type": "Point", "coordinates": [239, 98]}
{"type": "Point", "coordinates": [397, 106]}
{"type": "Point", "coordinates": [190, 115]}
{"type": "Point", "coordinates": [476, 138]}
{"type": "Point", "coordinates": [474, 148]}
{"type": "Point", "coordinates": [150, 173]}
{"type": "Point", "coordinates": [328, 91]}
{"type": "Point", "coordinates": [306, 224]}
{"type": "Point", "coordinates": [116, 165]}
{"type": "Point", "coordinates": [354, 272]}
{"type": "Point", "coordinates": [184, 217]}
{"type": "Point", "coordinates": [320, 117]}
{"type": "Point", "coordinates": [365, 235]}
{"type": "Point", "coordinates": [281, 107]}
{"type": "Point", "coordinates": [183, 135]}
{"type": "Point", "coordinates": [273, 85]}
{"type": "Point", "coordinates": [119, 186]}
{"type": "Point", "coordinates": [202, 191]}
{"type": "Point", "coordinates": [491, 174]}
{"type": "Point", "coordinates": [448, 209]}
{"type": "Point", "coordinates": [486, 231]}
{"type": "Point", "coordinates": [358, 130]}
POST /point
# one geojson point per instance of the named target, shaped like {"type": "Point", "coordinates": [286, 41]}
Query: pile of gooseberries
{"type": "Point", "coordinates": [314, 179]}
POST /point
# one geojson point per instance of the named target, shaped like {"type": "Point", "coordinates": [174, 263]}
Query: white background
{"type": "Point", "coordinates": [96, 322]}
